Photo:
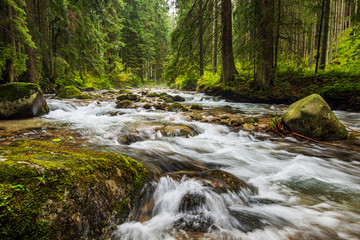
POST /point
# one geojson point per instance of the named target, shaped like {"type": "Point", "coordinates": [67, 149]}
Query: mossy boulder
{"type": "Point", "coordinates": [178, 98]}
{"type": "Point", "coordinates": [125, 104]}
{"type": "Point", "coordinates": [153, 94]}
{"type": "Point", "coordinates": [312, 117]}
{"type": "Point", "coordinates": [196, 107]}
{"type": "Point", "coordinates": [177, 107]}
{"type": "Point", "coordinates": [124, 91]}
{"type": "Point", "coordinates": [49, 191]}
{"type": "Point", "coordinates": [21, 100]}
{"type": "Point", "coordinates": [128, 96]}
{"type": "Point", "coordinates": [72, 92]}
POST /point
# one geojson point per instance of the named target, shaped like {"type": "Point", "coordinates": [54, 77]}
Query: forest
{"type": "Point", "coordinates": [258, 50]}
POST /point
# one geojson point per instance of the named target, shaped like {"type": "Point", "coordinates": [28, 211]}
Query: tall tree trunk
{"type": "Point", "coordinates": [228, 70]}
{"type": "Point", "coordinates": [264, 70]}
{"type": "Point", "coordinates": [45, 39]}
{"type": "Point", "coordinates": [313, 41]}
{"type": "Point", "coordinates": [333, 29]}
{"type": "Point", "coordinates": [8, 73]}
{"type": "Point", "coordinates": [215, 36]}
{"type": "Point", "coordinates": [31, 74]}
{"type": "Point", "coordinates": [277, 39]}
{"type": "Point", "coordinates": [201, 41]}
{"type": "Point", "coordinates": [324, 40]}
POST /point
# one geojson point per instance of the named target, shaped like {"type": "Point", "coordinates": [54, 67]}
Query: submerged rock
{"type": "Point", "coordinates": [312, 117]}
{"type": "Point", "coordinates": [21, 100]}
{"type": "Point", "coordinates": [72, 92]}
{"type": "Point", "coordinates": [219, 180]}
{"type": "Point", "coordinates": [139, 132]}
{"type": "Point", "coordinates": [56, 192]}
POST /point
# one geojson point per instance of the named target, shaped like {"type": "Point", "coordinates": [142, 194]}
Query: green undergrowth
{"type": "Point", "coordinates": [34, 173]}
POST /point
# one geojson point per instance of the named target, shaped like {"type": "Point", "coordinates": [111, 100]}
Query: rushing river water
{"type": "Point", "coordinates": [305, 190]}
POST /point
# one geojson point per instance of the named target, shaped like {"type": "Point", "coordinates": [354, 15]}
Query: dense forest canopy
{"type": "Point", "coordinates": [104, 43]}
{"type": "Point", "coordinates": [243, 45]}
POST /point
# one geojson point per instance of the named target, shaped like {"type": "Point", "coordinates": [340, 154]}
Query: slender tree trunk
{"type": "Point", "coordinates": [313, 41]}
{"type": "Point", "coordinates": [31, 74]}
{"type": "Point", "coordinates": [264, 70]}
{"type": "Point", "coordinates": [8, 73]}
{"type": "Point", "coordinates": [45, 39]}
{"type": "Point", "coordinates": [320, 33]}
{"type": "Point", "coordinates": [201, 41]}
{"type": "Point", "coordinates": [228, 70]}
{"type": "Point", "coordinates": [324, 40]}
{"type": "Point", "coordinates": [277, 39]}
{"type": "Point", "coordinates": [332, 34]}
{"type": "Point", "coordinates": [215, 36]}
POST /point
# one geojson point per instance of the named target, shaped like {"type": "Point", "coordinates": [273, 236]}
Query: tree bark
{"type": "Point", "coordinates": [264, 70]}
{"type": "Point", "coordinates": [31, 74]}
{"type": "Point", "coordinates": [201, 41]}
{"type": "Point", "coordinates": [45, 39]}
{"type": "Point", "coordinates": [324, 40]}
{"type": "Point", "coordinates": [277, 39]}
{"type": "Point", "coordinates": [228, 70]}
{"type": "Point", "coordinates": [215, 36]}
{"type": "Point", "coordinates": [8, 73]}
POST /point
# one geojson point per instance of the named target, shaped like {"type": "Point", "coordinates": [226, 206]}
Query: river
{"type": "Point", "coordinates": [304, 190]}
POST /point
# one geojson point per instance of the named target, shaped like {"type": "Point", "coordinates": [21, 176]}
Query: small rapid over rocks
{"type": "Point", "coordinates": [214, 181]}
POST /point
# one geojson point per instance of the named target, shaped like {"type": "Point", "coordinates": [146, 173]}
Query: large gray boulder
{"type": "Point", "coordinates": [312, 117]}
{"type": "Point", "coordinates": [21, 100]}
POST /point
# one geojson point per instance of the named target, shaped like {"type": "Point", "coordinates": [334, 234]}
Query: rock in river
{"type": "Point", "coordinates": [21, 100]}
{"type": "Point", "coordinates": [50, 191]}
{"type": "Point", "coordinates": [312, 117]}
{"type": "Point", "coordinates": [72, 92]}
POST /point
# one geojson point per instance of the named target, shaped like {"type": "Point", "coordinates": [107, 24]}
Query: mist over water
{"type": "Point", "coordinates": [305, 190]}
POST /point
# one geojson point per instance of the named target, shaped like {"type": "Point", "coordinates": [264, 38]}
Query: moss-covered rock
{"type": "Point", "coordinates": [312, 117]}
{"type": "Point", "coordinates": [178, 98]}
{"type": "Point", "coordinates": [196, 107]}
{"type": "Point", "coordinates": [128, 96]}
{"type": "Point", "coordinates": [153, 94]}
{"type": "Point", "coordinates": [49, 191]}
{"type": "Point", "coordinates": [125, 104]}
{"type": "Point", "coordinates": [175, 107]}
{"type": "Point", "coordinates": [21, 100]}
{"type": "Point", "coordinates": [124, 91]}
{"type": "Point", "coordinates": [72, 92]}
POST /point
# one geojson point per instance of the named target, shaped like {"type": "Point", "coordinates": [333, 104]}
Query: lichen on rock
{"type": "Point", "coordinates": [312, 117]}
{"type": "Point", "coordinates": [49, 191]}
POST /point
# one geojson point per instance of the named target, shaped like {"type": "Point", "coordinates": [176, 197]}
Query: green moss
{"type": "Point", "coordinates": [196, 107]}
{"type": "Point", "coordinates": [14, 91]}
{"type": "Point", "coordinates": [124, 91]}
{"type": "Point", "coordinates": [35, 173]}
{"type": "Point", "coordinates": [153, 94]}
{"type": "Point", "coordinates": [72, 92]}
{"type": "Point", "coordinates": [177, 107]}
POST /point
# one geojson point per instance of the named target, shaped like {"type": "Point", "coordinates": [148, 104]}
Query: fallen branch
{"type": "Point", "coordinates": [278, 127]}
{"type": "Point", "coordinates": [326, 143]}
{"type": "Point", "coordinates": [352, 129]}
